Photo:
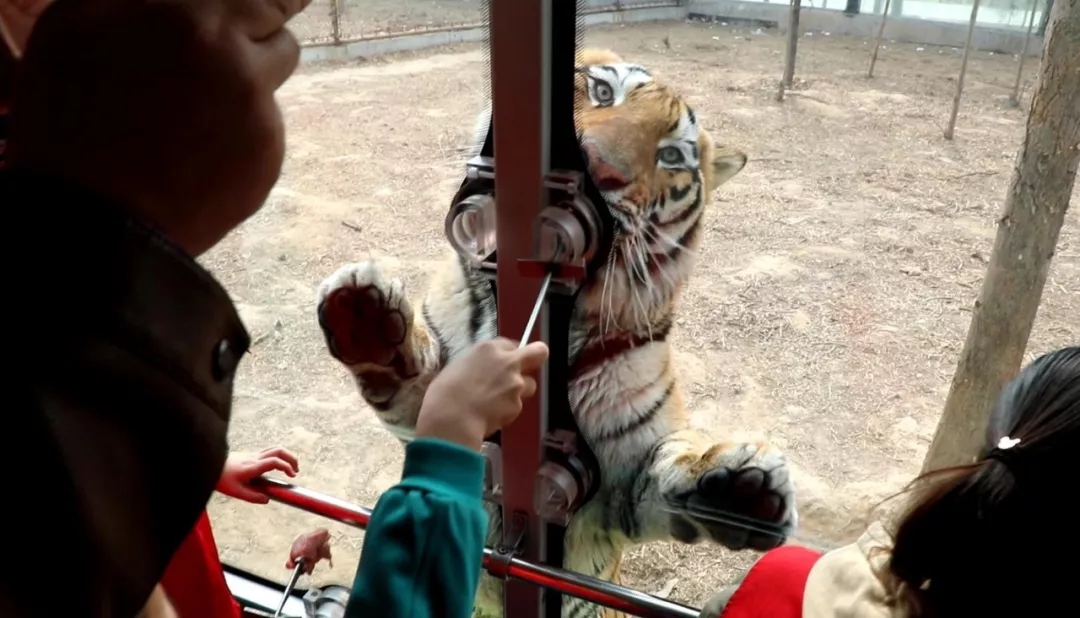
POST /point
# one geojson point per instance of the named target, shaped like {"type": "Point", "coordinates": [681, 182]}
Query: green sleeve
{"type": "Point", "coordinates": [424, 545]}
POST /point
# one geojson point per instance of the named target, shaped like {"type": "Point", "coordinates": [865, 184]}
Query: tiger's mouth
{"type": "Point", "coordinates": [631, 285]}
{"type": "Point", "coordinates": [625, 222]}
{"type": "Point", "coordinates": [611, 184]}
{"type": "Point", "coordinates": [636, 256]}
{"type": "Point", "coordinates": [643, 233]}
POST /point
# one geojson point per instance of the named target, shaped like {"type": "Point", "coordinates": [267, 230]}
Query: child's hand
{"type": "Point", "coordinates": [240, 469]}
{"type": "Point", "coordinates": [481, 392]}
{"type": "Point", "coordinates": [312, 547]}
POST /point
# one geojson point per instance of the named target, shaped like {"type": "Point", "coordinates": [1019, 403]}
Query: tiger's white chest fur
{"type": "Point", "coordinates": [615, 407]}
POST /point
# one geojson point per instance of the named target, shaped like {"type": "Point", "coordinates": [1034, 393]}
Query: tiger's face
{"type": "Point", "coordinates": [655, 167]}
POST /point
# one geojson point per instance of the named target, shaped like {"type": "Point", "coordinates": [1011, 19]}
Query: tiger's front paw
{"type": "Point", "coordinates": [367, 323]}
{"type": "Point", "coordinates": [744, 500]}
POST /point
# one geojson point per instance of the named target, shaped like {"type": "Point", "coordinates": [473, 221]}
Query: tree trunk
{"type": "Point", "coordinates": [1035, 206]}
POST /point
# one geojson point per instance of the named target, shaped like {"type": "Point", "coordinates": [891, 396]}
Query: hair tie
{"type": "Point", "coordinates": [1003, 452]}
{"type": "Point", "coordinates": [1006, 443]}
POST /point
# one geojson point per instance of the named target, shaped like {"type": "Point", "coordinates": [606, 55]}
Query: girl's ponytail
{"type": "Point", "coordinates": [979, 540]}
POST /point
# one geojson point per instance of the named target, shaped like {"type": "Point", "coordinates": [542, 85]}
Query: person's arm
{"type": "Point", "coordinates": [424, 545]}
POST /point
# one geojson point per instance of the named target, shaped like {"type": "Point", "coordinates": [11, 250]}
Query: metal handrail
{"type": "Point", "coordinates": [565, 582]}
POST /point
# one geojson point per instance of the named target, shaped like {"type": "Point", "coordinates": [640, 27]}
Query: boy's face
{"type": "Point", "coordinates": [7, 76]}
{"type": "Point", "coordinates": [17, 18]}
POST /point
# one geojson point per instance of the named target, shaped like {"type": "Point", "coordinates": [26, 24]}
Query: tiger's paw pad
{"type": "Point", "coordinates": [366, 319]}
{"type": "Point", "coordinates": [746, 501]}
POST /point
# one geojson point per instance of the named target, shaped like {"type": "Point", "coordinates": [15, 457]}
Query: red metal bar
{"type": "Point", "coordinates": [521, 571]}
{"type": "Point", "coordinates": [520, 87]}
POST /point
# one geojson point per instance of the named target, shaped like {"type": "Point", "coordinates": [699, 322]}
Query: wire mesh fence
{"type": "Point", "coordinates": [1000, 13]}
{"type": "Point", "coordinates": [329, 21]}
{"type": "Point", "coordinates": [993, 13]}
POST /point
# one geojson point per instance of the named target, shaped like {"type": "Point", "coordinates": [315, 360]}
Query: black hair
{"type": "Point", "coordinates": [997, 538]}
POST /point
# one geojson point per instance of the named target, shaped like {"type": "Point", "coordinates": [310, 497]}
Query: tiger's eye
{"type": "Point", "coordinates": [603, 92]}
{"type": "Point", "coordinates": [671, 155]}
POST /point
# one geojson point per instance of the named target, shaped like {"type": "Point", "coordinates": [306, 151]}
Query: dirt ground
{"type": "Point", "coordinates": [827, 312]}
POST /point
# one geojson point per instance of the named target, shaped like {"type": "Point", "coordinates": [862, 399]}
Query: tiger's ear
{"type": "Point", "coordinates": [726, 163]}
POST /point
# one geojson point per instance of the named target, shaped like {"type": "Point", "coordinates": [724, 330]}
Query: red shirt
{"type": "Point", "coordinates": [774, 586]}
{"type": "Point", "coordinates": [195, 581]}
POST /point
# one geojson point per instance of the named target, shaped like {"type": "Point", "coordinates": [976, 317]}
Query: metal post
{"type": "Point", "coordinates": [792, 47]}
{"type": "Point", "coordinates": [521, 85]}
{"type": "Point", "coordinates": [963, 71]}
{"type": "Point", "coordinates": [1014, 98]}
{"type": "Point", "coordinates": [1045, 20]}
{"type": "Point", "coordinates": [877, 42]}
{"type": "Point", "coordinates": [335, 21]}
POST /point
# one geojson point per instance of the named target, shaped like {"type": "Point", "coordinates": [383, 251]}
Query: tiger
{"type": "Point", "coordinates": [656, 168]}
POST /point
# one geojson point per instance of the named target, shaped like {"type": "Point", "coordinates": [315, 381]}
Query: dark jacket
{"type": "Point", "coordinates": [121, 353]}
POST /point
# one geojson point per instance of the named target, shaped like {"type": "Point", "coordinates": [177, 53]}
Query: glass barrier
{"type": "Point", "coordinates": [812, 268]}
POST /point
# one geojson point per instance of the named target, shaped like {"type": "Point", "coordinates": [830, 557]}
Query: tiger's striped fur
{"type": "Point", "coordinates": [656, 168]}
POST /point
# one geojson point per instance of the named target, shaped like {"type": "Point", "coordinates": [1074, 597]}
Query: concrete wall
{"type": "Point", "coordinates": [632, 15]}
{"type": "Point", "coordinates": [904, 29]}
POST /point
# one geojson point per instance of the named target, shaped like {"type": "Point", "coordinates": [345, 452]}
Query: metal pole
{"type": "Point", "coordinates": [792, 47]}
{"type": "Point", "coordinates": [877, 42]}
{"type": "Point", "coordinates": [521, 98]}
{"type": "Point", "coordinates": [522, 571]}
{"type": "Point", "coordinates": [963, 71]}
{"type": "Point", "coordinates": [335, 21]}
{"type": "Point", "coordinates": [1014, 98]}
{"type": "Point", "coordinates": [1044, 21]}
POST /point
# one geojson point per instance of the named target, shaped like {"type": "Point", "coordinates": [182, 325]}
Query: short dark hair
{"type": "Point", "coordinates": [994, 538]}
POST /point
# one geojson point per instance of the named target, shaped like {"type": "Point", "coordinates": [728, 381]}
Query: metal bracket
{"type": "Point", "coordinates": [566, 233]}
{"type": "Point", "coordinates": [572, 476]}
{"type": "Point", "coordinates": [493, 480]}
{"type": "Point", "coordinates": [563, 481]}
{"type": "Point", "coordinates": [327, 601]}
{"type": "Point", "coordinates": [562, 440]}
{"type": "Point", "coordinates": [512, 544]}
{"type": "Point", "coordinates": [566, 181]}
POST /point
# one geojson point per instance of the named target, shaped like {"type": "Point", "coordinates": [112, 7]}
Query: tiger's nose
{"type": "Point", "coordinates": [607, 175]}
